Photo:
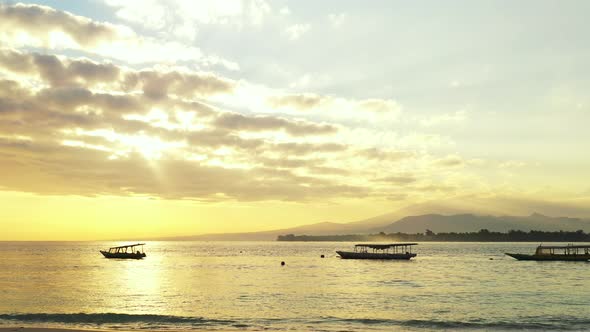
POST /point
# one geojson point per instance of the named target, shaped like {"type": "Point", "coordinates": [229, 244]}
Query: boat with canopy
{"type": "Point", "coordinates": [130, 251]}
{"type": "Point", "coordinates": [380, 251]}
{"type": "Point", "coordinates": [556, 253]}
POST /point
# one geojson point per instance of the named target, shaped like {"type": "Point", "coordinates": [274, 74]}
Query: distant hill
{"type": "Point", "coordinates": [323, 228]}
{"type": "Point", "coordinates": [456, 214]}
{"type": "Point", "coordinates": [472, 223]}
{"type": "Point", "coordinates": [411, 224]}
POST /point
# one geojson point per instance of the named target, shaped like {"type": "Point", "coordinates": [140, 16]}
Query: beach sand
{"type": "Point", "coordinates": [43, 329]}
{"type": "Point", "coordinates": [47, 329]}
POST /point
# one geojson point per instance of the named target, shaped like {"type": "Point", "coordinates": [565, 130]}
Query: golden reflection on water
{"type": "Point", "coordinates": [244, 282]}
{"type": "Point", "coordinates": [138, 284]}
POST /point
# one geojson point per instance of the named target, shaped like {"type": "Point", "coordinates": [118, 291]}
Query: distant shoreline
{"type": "Point", "coordinates": [483, 235]}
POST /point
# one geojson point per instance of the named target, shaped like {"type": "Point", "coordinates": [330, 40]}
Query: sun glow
{"type": "Point", "coordinates": [151, 148]}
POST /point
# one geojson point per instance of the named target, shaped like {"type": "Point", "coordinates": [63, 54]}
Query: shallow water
{"type": "Point", "coordinates": [242, 286]}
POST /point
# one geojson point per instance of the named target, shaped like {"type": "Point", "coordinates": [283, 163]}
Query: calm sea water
{"type": "Point", "coordinates": [242, 286]}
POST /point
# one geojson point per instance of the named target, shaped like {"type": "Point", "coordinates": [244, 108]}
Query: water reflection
{"type": "Point", "coordinates": [243, 284]}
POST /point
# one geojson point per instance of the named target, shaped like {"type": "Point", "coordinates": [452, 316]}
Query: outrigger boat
{"type": "Point", "coordinates": [380, 251]}
{"type": "Point", "coordinates": [556, 253]}
{"type": "Point", "coordinates": [127, 251]}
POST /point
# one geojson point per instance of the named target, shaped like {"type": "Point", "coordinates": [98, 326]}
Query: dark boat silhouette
{"type": "Point", "coordinates": [125, 252]}
{"type": "Point", "coordinates": [380, 251]}
{"type": "Point", "coordinates": [556, 253]}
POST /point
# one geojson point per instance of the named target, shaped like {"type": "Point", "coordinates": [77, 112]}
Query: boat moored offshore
{"type": "Point", "coordinates": [380, 251]}
{"type": "Point", "coordinates": [125, 252]}
{"type": "Point", "coordinates": [556, 253]}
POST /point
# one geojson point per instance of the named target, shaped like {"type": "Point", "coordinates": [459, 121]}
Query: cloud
{"type": "Point", "coordinates": [336, 20]}
{"type": "Point", "coordinates": [285, 11]}
{"type": "Point", "coordinates": [379, 106]}
{"type": "Point", "coordinates": [57, 72]}
{"type": "Point", "coordinates": [53, 169]}
{"type": "Point", "coordinates": [304, 101]}
{"type": "Point", "coordinates": [42, 22]}
{"type": "Point", "coordinates": [155, 84]}
{"type": "Point", "coordinates": [502, 204]}
{"type": "Point", "coordinates": [512, 164]}
{"type": "Point", "coordinates": [284, 162]}
{"type": "Point", "coordinates": [449, 161]}
{"type": "Point", "coordinates": [86, 127]}
{"type": "Point", "coordinates": [294, 32]}
{"type": "Point", "coordinates": [70, 98]}
{"type": "Point", "coordinates": [72, 140]}
{"type": "Point", "coordinates": [40, 26]}
{"type": "Point", "coordinates": [326, 170]}
{"type": "Point", "coordinates": [432, 188]}
{"type": "Point", "coordinates": [222, 138]}
{"type": "Point", "coordinates": [456, 117]}
{"type": "Point", "coordinates": [182, 18]}
{"type": "Point", "coordinates": [382, 154]}
{"type": "Point", "coordinates": [398, 179]}
{"type": "Point", "coordinates": [236, 121]}
{"type": "Point", "coordinates": [334, 109]}
{"type": "Point", "coordinates": [299, 149]}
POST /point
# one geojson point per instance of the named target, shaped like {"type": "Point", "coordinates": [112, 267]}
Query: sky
{"type": "Point", "coordinates": [161, 118]}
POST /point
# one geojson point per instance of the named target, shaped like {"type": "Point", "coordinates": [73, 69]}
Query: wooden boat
{"type": "Point", "coordinates": [125, 252]}
{"type": "Point", "coordinates": [379, 251]}
{"type": "Point", "coordinates": [556, 253]}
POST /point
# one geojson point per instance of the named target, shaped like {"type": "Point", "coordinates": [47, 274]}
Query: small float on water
{"type": "Point", "coordinates": [125, 252]}
{"type": "Point", "coordinates": [380, 251]}
{"type": "Point", "coordinates": [556, 253]}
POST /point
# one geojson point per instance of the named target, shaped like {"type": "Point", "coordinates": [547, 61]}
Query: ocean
{"type": "Point", "coordinates": [242, 286]}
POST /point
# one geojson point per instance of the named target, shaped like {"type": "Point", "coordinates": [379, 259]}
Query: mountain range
{"type": "Point", "coordinates": [389, 223]}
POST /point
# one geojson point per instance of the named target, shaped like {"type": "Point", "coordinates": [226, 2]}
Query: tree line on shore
{"type": "Point", "coordinates": [482, 235]}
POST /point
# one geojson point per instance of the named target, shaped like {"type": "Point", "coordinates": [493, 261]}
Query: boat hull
{"type": "Point", "coordinates": [369, 255]}
{"type": "Point", "coordinates": [572, 258]}
{"type": "Point", "coordinates": [122, 255]}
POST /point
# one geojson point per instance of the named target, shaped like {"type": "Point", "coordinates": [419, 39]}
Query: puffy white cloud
{"type": "Point", "coordinates": [182, 18]}
{"type": "Point", "coordinates": [41, 26]}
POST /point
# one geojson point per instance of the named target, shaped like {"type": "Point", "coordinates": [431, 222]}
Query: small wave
{"type": "Point", "coordinates": [532, 323]}
{"type": "Point", "coordinates": [168, 322]}
{"type": "Point", "coordinates": [111, 318]}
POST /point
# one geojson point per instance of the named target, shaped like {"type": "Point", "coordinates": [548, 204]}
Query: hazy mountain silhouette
{"type": "Point", "coordinates": [460, 214]}
{"type": "Point", "coordinates": [323, 228]}
{"type": "Point", "coordinates": [412, 224]}
{"type": "Point", "coordinates": [472, 223]}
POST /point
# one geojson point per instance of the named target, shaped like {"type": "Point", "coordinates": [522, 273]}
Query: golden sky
{"type": "Point", "coordinates": [144, 118]}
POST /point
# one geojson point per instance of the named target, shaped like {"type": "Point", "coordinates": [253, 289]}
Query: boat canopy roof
{"type": "Point", "coordinates": [565, 247]}
{"type": "Point", "coordinates": [385, 246]}
{"type": "Point", "coordinates": [128, 246]}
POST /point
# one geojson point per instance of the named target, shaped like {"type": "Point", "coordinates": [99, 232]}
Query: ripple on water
{"type": "Point", "coordinates": [448, 286]}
